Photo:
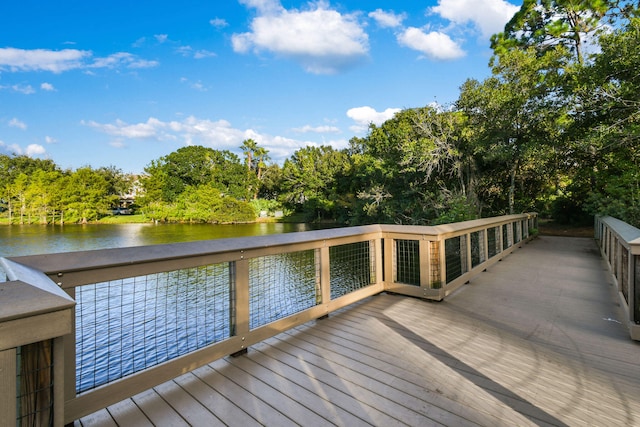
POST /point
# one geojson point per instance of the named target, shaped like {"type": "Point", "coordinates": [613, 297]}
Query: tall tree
{"type": "Point", "coordinates": [544, 24]}
{"type": "Point", "coordinates": [607, 126]}
{"type": "Point", "coordinates": [309, 180]}
{"type": "Point", "coordinates": [193, 166]}
{"type": "Point", "coordinates": [91, 197]}
{"type": "Point", "coordinates": [516, 112]}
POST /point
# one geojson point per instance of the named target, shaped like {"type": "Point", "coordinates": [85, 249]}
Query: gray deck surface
{"type": "Point", "coordinates": [538, 339]}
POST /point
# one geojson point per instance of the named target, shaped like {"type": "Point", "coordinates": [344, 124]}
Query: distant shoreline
{"type": "Point", "coordinates": [141, 219]}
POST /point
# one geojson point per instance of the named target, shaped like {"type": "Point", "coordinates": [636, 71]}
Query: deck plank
{"type": "Point", "coordinates": [538, 339]}
{"type": "Point", "coordinates": [191, 410]}
{"type": "Point", "coordinates": [291, 382]}
{"type": "Point", "coordinates": [100, 418]}
{"type": "Point", "coordinates": [128, 413]}
{"type": "Point", "coordinates": [228, 412]}
{"type": "Point", "coordinates": [157, 410]}
{"type": "Point", "coordinates": [254, 406]}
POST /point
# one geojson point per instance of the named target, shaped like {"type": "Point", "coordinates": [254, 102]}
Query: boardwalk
{"type": "Point", "coordinates": [535, 340]}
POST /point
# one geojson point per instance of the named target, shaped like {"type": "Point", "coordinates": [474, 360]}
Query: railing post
{"type": "Point", "coordinates": [468, 260]}
{"type": "Point", "coordinates": [325, 274]}
{"type": "Point", "coordinates": [389, 262]}
{"type": "Point", "coordinates": [485, 244]}
{"type": "Point", "coordinates": [443, 268]}
{"type": "Point", "coordinates": [241, 303]}
{"type": "Point", "coordinates": [425, 264]}
{"type": "Point", "coordinates": [377, 267]}
{"type": "Point", "coordinates": [30, 330]}
{"type": "Point", "coordinates": [634, 288]}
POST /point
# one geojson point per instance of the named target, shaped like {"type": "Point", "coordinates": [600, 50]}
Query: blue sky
{"type": "Point", "coordinates": [123, 83]}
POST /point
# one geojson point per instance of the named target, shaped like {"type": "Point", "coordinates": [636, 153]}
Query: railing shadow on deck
{"type": "Point", "coordinates": [83, 330]}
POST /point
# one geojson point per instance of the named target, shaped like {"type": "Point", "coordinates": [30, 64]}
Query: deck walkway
{"type": "Point", "coordinates": [535, 340]}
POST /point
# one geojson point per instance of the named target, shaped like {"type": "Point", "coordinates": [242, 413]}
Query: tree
{"type": "Point", "coordinates": [248, 147]}
{"type": "Point", "coordinates": [607, 123]}
{"type": "Point", "coordinates": [91, 197]}
{"type": "Point", "coordinates": [256, 158]}
{"type": "Point", "coordinates": [516, 113]}
{"type": "Point", "coordinates": [309, 180]}
{"type": "Point", "coordinates": [40, 194]}
{"type": "Point", "coordinates": [192, 166]}
{"type": "Point", "coordinates": [545, 24]}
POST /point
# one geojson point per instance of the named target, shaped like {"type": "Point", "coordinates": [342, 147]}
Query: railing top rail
{"type": "Point", "coordinates": [27, 301]}
{"type": "Point", "coordinates": [60, 263]}
{"type": "Point", "coordinates": [454, 228]}
{"type": "Point", "coordinates": [626, 232]}
{"type": "Point", "coordinates": [101, 258]}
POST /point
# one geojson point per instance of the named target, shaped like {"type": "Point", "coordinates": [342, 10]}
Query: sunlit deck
{"type": "Point", "coordinates": [538, 339]}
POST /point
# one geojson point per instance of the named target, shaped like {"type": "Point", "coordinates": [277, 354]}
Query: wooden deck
{"type": "Point", "coordinates": [538, 339]}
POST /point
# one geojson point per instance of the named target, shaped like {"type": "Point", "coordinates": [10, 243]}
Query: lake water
{"type": "Point", "coordinates": [17, 240]}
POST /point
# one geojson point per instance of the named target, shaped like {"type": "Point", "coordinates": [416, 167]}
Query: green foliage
{"type": "Point", "coordinates": [192, 166]}
{"type": "Point", "coordinates": [555, 128]}
{"type": "Point", "coordinates": [202, 204]}
{"type": "Point", "coordinates": [453, 208]}
{"type": "Point", "coordinates": [545, 24]}
{"type": "Point", "coordinates": [269, 206]}
{"type": "Point", "coordinates": [310, 181]}
{"type": "Point", "coordinates": [569, 211]}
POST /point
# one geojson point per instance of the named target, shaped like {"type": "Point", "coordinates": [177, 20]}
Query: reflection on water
{"type": "Point", "coordinates": [17, 240]}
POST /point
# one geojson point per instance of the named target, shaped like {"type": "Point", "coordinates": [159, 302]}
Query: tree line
{"type": "Point", "coordinates": [553, 129]}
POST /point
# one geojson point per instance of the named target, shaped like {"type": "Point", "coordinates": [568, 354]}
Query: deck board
{"type": "Point", "coordinates": [538, 339]}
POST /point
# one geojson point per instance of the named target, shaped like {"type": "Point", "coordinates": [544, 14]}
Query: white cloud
{"type": "Point", "coordinates": [264, 6]}
{"type": "Point", "coordinates": [31, 150]}
{"type": "Point", "coordinates": [219, 134]}
{"type": "Point", "coordinates": [194, 85]}
{"type": "Point", "coordinates": [152, 129]}
{"type": "Point", "coordinates": [41, 59]}
{"type": "Point", "coordinates": [161, 38]}
{"type": "Point", "coordinates": [364, 116]}
{"type": "Point", "coordinates": [48, 87]}
{"type": "Point", "coordinates": [34, 150]}
{"type": "Point", "coordinates": [387, 19]}
{"type": "Point", "coordinates": [218, 23]}
{"type": "Point", "coordinates": [188, 51]}
{"type": "Point", "coordinates": [317, 129]}
{"type": "Point", "coordinates": [15, 123]}
{"type": "Point", "coordinates": [25, 89]}
{"type": "Point", "coordinates": [11, 148]}
{"type": "Point", "coordinates": [140, 42]}
{"type": "Point", "coordinates": [435, 45]}
{"type": "Point", "coordinates": [321, 40]}
{"type": "Point", "coordinates": [489, 16]}
{"type": "Point", "coordinates": [122, 60]}
{"type": "Point", "coordinates": [50, 140]}
{"type": "Point", "coordinates": [16, 60]}
{"type": "Point", "coordinates": [117, 143]}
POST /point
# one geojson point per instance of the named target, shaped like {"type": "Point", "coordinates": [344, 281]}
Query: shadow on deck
{"type": "Point", "coordinates": [537, 339]}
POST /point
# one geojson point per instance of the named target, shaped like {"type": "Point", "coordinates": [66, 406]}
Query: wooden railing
{"type": "Point", "coordinates": [620, 247]}
{"type": "Point", "coordinates": [237, 277]}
